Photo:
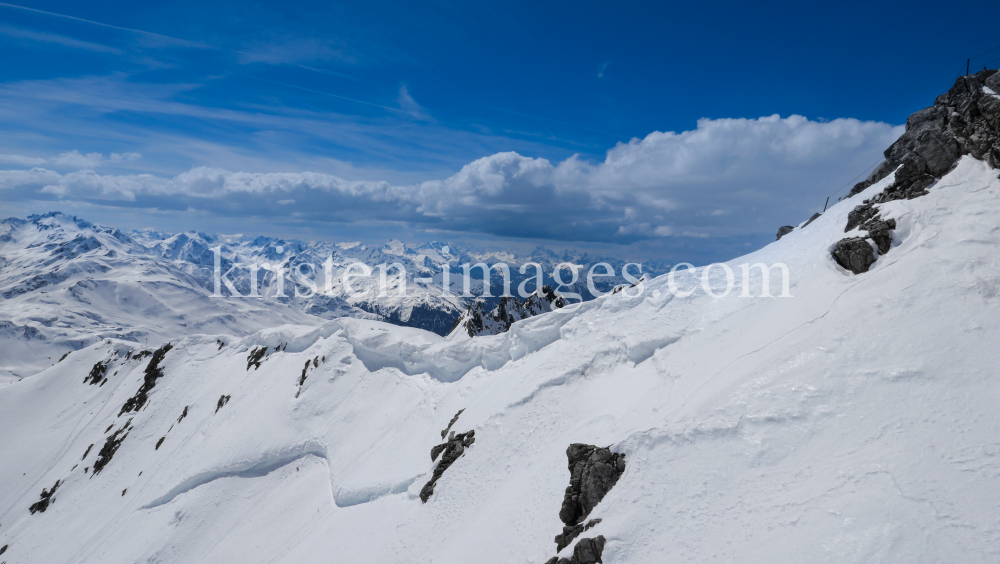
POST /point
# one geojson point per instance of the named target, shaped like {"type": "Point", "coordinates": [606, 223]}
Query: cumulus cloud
{"type": "Point", "coordinates": [727, 177]}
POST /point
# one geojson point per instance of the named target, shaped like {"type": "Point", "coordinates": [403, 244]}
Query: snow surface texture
{"type": "Point", "coordinates": [852, 423]}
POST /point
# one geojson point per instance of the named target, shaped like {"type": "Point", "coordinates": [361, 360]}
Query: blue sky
{"type": "Point", "coordinates": [684, 131]}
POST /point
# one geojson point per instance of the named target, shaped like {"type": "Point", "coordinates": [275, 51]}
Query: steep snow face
{"type": "Point", "coordinates": [852, 423]}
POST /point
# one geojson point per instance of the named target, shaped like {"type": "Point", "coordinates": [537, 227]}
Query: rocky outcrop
{"type": "Point", "coordinates": [587, 551]}
{"type": "Point", "coordinates": [444, 432]}
{"type": "Point", "coordinates": [879, 231]}
{"type": "Point", "coordinates": [111, 446]}
{"type": "Point", "coordinates": [150, 375]}
{"type": "Point", "coordinates": [97, 373]}
{"type": "Point", "coordinates": [593, 471]}
{"type": "Point", "coordinates": [854, 254]}
{"type": "Point", "coordinates": [963, 121]}
{"type": "Point", "coordinates": [476, 321]}
{"type": "Point", "coordinates": [42, 504]}
{"type": "Point", "coordinates": [569, 533]}
{"type": "Point", "coordinates": [784, 230]}
{"type": "Point", "coordinates": [452, 449]}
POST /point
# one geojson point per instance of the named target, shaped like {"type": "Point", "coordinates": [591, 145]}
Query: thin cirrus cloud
{"type": "Point", "coordinates": [750, 175]}
{"type": "Point", "coordinates": [72, 159]}
{"type": "Point", "coordinates": [52, 38]}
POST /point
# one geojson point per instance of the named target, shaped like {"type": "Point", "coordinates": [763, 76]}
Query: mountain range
{"type": "Point", "coordinates": [850, 420]}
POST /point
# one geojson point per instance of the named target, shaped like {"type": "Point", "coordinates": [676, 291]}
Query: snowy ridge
{"type": "Point", "coordinates": [814, 428]}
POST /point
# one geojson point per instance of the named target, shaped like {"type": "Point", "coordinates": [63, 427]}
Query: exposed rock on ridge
{"type": "Point", "coordinates": [587, 551]}
{"type": "Point", "coordinates": [477, 322]}
{"type": "Point", "coordinates": [453, 449]}
{"type": "Point", "coordinates": [963, 121]}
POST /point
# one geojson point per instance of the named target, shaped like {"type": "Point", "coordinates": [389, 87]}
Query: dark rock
{"type": "Point", "coordinates": [569, 533]}
{"type": "Point", "coordinates": [452, 449]}
{"type": "Point", "coordinates": [593, 472]}
{"type": "Point", "coordinates": [784, 230]}
{"type": "Point", "coordinates": [435, 451]}
{"type": "Point", "coordinates": [859, 215]}
{"type": "Point", "coordinates": [159, 442]}
{"type": "Point", "coordinates": [183, 414]}
{"type": "Point", "coordinates": [96, 373]}
{"type": "Point", "coordinates": [587, 551]}
{"type": "Point", "coordinates": [854, 254]}
{"type": "Point", "coordinates": [151, 374]}
{"type": "Point", "coordinates": [962, 121]}
{"type": "Point", "coordinates": [3, 548]}
{"type": "Point", "coordinates": [42, 504]}
{"type": "Point", "coordinates": [993, 82]}
{"type": "Point", "coordinates": [111, 446]}
{"type": "Point", "coordinates": [302, 379]}
{"type": "Point", "coordinates": [879, 230]}
{"type": "Point", "coordinates": [223, 400]}
{"type": "Point", "coordinates": [255, 356]}
{"type": "Point", "coordinates": [86, 452]}
{"type": "Point", "coordinates": [814, 217]}
{"type": "Point", "coordinates": [450, 423]}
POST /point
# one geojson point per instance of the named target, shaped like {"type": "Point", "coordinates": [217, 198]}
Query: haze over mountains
{"type": "Point", "coordinates": [67, 283]}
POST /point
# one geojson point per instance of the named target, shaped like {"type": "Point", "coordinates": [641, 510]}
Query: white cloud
{"type": "Point", "coordinates": [728, 177]}
{"type": "Point", "coordinates": [76, 159]}
{"type": "Point", "coordinates": [21, 160]}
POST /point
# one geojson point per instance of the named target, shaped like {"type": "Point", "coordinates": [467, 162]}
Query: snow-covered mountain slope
{"type": "Point", "coordinates": [67, 283]}
{"type": "Point", "coordinates": [424, 304]}
{"type": "Point", "coordinates": [476, 321]}
{"type": "Point", "coordinates": [854, 422]}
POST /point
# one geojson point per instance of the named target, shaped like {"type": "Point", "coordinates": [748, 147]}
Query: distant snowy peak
{"type": "Point", "coordinates": [476, 321]}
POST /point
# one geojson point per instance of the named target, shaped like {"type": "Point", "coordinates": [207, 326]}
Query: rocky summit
{"type": "Point", "coordinates": [963, 121]}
